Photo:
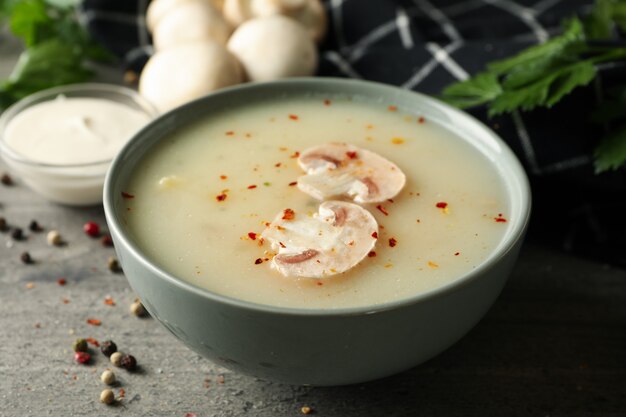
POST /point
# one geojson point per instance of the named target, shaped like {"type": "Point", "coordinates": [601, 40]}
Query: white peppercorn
{"type": "Point", "coordinates": [53, 238]}
{"type": "Point", "coordinates": [116, 358]}
{"type": "Point", "coordinates": [107, 396]}
{"type": "Point", "coordinates": [108, 377]}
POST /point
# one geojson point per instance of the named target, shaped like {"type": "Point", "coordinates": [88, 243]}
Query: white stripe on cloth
{"type": "Point", "coordinates": [404, 28]}
{"type": "Point", "coordinates": [343, 65]}
{"type": "Point", "coordinates": [429, 67]}
{"type": "Point", "coordinates": [525, 14]}
{"type": "Point", "coordinates": [440, 18]}
{"type": "Point", "coordinates": [336, 14]}
{"type": "Point", "coordinates": [444, 58]}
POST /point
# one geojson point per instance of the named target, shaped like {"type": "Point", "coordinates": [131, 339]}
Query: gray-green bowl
{"type": "Point", "coordinates": [319, 347]}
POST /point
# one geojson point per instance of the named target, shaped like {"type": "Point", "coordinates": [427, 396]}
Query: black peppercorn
{"type": "Point", "coordinates": [108, 348]}
{"type": "Point", "coordinates": [3, 225]}
{"type": "Point", "coordinates": [26, 258]}
{"type": "Point", "coordinates": [129, 362]}
{"type": "Point", "coordinates": [17, 234]}
{"type": "Point", "coordinates": [34, 226]}
{"type": "Point", "coordinates": [6, 179]}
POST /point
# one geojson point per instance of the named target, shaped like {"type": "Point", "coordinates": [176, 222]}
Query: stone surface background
{"type": "Point", "coordinates": [552, 345]}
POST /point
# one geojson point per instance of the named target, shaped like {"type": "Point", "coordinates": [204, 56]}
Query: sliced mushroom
{"type": "Point", "coordinates": [339, 169]}
{"type": "Point", "coordinates": [208, 66]}
{"type": "Point", "coordinates": [330, 242]}
{"type": "Point", "coordinates": [191, 21]}
{"type": "Point", "coordinates": [309, 13]}
{"type": "Point", "coordinates": [273, 47]}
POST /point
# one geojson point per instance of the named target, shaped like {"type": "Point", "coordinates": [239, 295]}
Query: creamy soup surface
{"type": "Point", "coordinates": [199, 196]}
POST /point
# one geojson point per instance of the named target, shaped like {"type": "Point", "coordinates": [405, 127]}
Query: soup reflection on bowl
{"type": "Point", "coordinates": [191, 198]}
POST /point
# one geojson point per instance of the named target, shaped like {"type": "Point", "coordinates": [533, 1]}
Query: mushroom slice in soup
{"type": "Point", "coordinates": [329, 242]}
{"type": "Point", "coordinates": [337, 169]}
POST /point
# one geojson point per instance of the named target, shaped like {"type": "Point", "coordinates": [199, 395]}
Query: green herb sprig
{"type": "Point", "coordinates": [57, 48]}
{"type": "Point", "coordinates": [540, 76]}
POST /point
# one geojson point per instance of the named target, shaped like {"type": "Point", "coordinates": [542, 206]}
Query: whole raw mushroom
{"type": "Point", "coordinates": [158, 9]}
{"type": "Point", "coordinates": [177, 75]}
{"type": "Point", "coordinates": [273, 47]}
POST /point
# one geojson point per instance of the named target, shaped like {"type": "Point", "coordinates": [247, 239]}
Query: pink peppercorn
{"type": "Point", "coordinates": [92, 229]}
{"type": "Point", "coordinates": [82, 357]}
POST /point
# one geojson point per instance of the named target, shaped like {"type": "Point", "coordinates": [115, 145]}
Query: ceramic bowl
{"type": "Point", "coordinates": [72, 184]}
{"type": "Point", "coordinates": [316, 346]}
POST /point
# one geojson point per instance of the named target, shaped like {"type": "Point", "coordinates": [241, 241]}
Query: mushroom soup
{"type": "Point", "coordinates": [270, 204]}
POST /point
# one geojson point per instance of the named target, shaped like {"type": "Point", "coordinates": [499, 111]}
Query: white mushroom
{"type": "Point", "coordinates": [175, 76]}
{"type": "Point", "coordinates": [338, 169]}
{"type": "Point", "coordinates": [157, 9]}
{"type": "Point", "coordinates": [330, 242]}
{"type": "Point", "coordinates": [309, 13]}
{"type": "Point", "coordinates": [273, 47]}
{"type": "Point", "coordinates": [190, 21]}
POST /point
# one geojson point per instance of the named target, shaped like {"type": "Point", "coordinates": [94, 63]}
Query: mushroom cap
{"type": "Point", "coordinates": [158, 9]}
{"type": "Point", "coordinates": [177, 75]}
{"type": "Point", "coordinates": [340, 169]}
{"type": "Point", "coordinates": [273, 47]}
{"type": "Point", "coordinates": [191, 21]}
{"type": "Point", "coordinates": [330, 242]}
{"type": "Point", "coordinates": [309, 13]}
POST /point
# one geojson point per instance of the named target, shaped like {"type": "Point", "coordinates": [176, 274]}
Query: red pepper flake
{"type": "Point", "coordinates": [61, 281]}
{"type": "Point", "coordinates": [221, 197]}
{"type": "Point", "coordinates": [421, 120]}
{"type": "Point", "coordinates": [441, 205]}
{"type": "Point", "coordinates": [327, 102]}
{"type": "Point", "coordinates": [127, 195]}
{"type": "Point", "coordinates": [375, 235]}
{"type": "Point", "coordinates": [288, 214]}
{"type": "Point", "coordinates": [92, 341]}
{"type": "Point", "coordinates": [319, 283]}
{"type": "Point", "coordinates": [251, 187]}
{"type": "Point", "coordinates": [190, 415]}
{"type": "Point", "coordinates": [294, 183]}
{"type": "Point", "coordinates": [82, 357]}
{"type": "Point", "coordinates": [500, 219]}
{"type": "Point", "coordinates": [223, 177]}
{"type": "Point", "coordinates": [393, 242]}
{"type": "Point", "coordinates": [258, 261]}
{"type": "Point", "coordinates": [351, 154]}
{"type": "Point", "coordinates": [372, 254]}
{"type": "Point", "coordinates": [107, 241]}
{"type": "Point", "coordinates": [295, 154]}
{"type": "Point", "coordinates": [109, 301]}
{"type": "Point", "coordinates": [390, 200]}
{"type": "Point", "coordinates": [282, 245]}
{"type": "Point", "coordinates": [252, 235]}
{"type": "Point", "coordinates": [382, 210]}
{"type": "Point", "coordinates": [457, 253]}
{"type": "Point", "coordinates": [230, 133]}
{"type": "Point", "coordinates": [122, 393]}
{"type": "Point", "coordinates": [66, 301]}
{"type": "Point", "coordinates": [293, 117]}
{"type": "Point", "coordinates": [94, 322]}
{"type": "Point", "coordinates": [392, 108]}
{"type": "Point", "coordinates": [277, 165]}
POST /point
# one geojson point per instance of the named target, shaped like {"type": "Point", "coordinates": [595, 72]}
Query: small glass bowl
{"type": "Point", "coordinates": [73, 184]}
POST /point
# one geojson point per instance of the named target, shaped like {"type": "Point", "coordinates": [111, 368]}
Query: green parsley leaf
{"type": "Point", "coordinates": [610, 154]}
{"type": "Point", "coordinates": [480, 89]}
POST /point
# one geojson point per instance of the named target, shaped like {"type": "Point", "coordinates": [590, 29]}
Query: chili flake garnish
{"type": "Point", "coordinates": [293, 183]}
{"type": "Point", "coordinates": [433, 265]}
{"type": "Point", "coordinates": [393, 242]}
{"type": "Point", "coordinates": [293, 117]}
{"type": "Point", "coordinates": [441, 205]}
{"type": "Point", "coordinates": [500, 219]}
{"type": "Point", "coordinates": [457, 253]}
{"type": "Point", "coordinates": [127, 195]}
{"type": "Point", "coordinates": [351, 154]}
{"type": "Point", "coordinates": [296, 154]}
{"type": "Point", "coordinates": [258, 261]}
{"type": "Point", "coordinates": [122, 393]}
{"type": "Point", "coordinates": [421, 120]}
{"type": "Point", "coordinates": [372, 254]}
{"type": "Point", "coordinates": [230, 133]}
{"type": "Point", "coordinates": [221, 197]}
{"type": "Point", "coordinates": [392, 108]}
{"type": "Point", "coordinates": [92, 341]}
{"type": "Point", "coordinates": [327, 102]}
{"type": "Point", "coordinates": [94, 322]}
{"type": "Point", "coordinates": [61, 281]}
{"type": "Point", "coordinates": [382, 210]}
{"type": "Point", "coordinates": [252, 235]}
{"type": "Point", "coordinates": [278, 164]}
{"type": "Point", "coordinates": [397, 141]}
{"type": "Point", "coordinates": [109, 301]}
{"type": "Point", "coordinates": [288, 214]}
{"type": "Point", "coordinates": [251, 187]}
{"type": "Point", "coordinates": [65, 301]}
{"type": "Point", "coordinates": [282, 245]}
{"type": "Point", "coordinates": [223, 177]}
{"type": "Point", "coordinates": [375, 235]}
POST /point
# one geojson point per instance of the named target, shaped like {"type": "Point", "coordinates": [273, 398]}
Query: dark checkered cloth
{"type": "Point", "coordinates": [425, 45]}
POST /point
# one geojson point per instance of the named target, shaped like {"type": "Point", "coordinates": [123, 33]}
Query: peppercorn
{"type": "Point", "coordinates": [113, 265]}
{"type": "Point", "coordinates": [3, 225]}
{"type": "Point", "coordinates": [54, 238]}
{"type": "Point", "coordinates": [82, 357]}
{"type": "Point", "coordinates": [26, 258]}
{"type": "Point", "coordinates": [138, 309]}
{"type": "Point", "coordinates": [306, 410]}
{"type": "Point", "coordinates": [92, 229]}
{"type": "Point", "coordinates": [107, 397]}
{"type": "Point", "coordinates": [17, 233]}
{"type": "Point", "coordinates": [108, 377]}
{"type": "Point", "coordinates": [116, 358]}
{"type": "Point", "coordinates": [6, 179]}
{"type": "Point", "coordinates": [34, 226]}
{"type": "Point", "coordinates": [80, 345]}
{"type": "Point", "coordinates": [108, 348]}
{"type": "Point", "coordinates": [107, 241]}
{"type": "Point", "coordinates": [129, 362]}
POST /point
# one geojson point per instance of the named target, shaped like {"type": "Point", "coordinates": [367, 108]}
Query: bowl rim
{"type": "Point", "coordinates": [85, 90]}
{"type": "Point", "coordinates": [512, 237]}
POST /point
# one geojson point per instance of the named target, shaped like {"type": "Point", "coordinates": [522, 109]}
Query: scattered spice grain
{"type": "Point", "coordinates": [138, 309]}
{"type": "Point", "coordinates": [17, 234]}
{"type": "Point", "coordinates": [127, 195]}
{"type": "Point", "coordinates": [382, 210]}
{"type": "Point", "coordinates": [91, 229]}
{"type": "Point", "coordinates": [6, 179]}
{"type": "Point", "coordinates": [61, 281]}
{"type": "Point", "coordinates": [34, 226]}
{"type": "Point", "coordinates": [3, 225]}
{"type": "Point", "coordinates": [107, 241]}
{"type": "Point", "coordinates": [82, 357]}
{"type": "Point", "coordinates": [26, 258]}
{"type": "Point", "coordinates": [393, 242]}
{"type": "Point", "coordinates": [113, 265]}
{"type": "Point", "coordinates": [128, 362]}
{"type": "Point", "coordinates": [107, 397]}
{"type": "Point", "coordinates": [80, 345]}
{"type": "Point", "coordinates": [94, 322]}
{"type": "Point", "coordinates": [108, 377]}
{"type": "Point", "coordinates": [108, 348]}
{"type": "Point", "coordinates": [116, 358]}
{"type": "Point", "coordinates": [54, 238]}
{"type": "Point", "coordinates": [306, 410]}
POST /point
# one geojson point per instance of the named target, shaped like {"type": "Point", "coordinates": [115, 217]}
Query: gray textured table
{"type": "Point", "coordinates": [554, 344]}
